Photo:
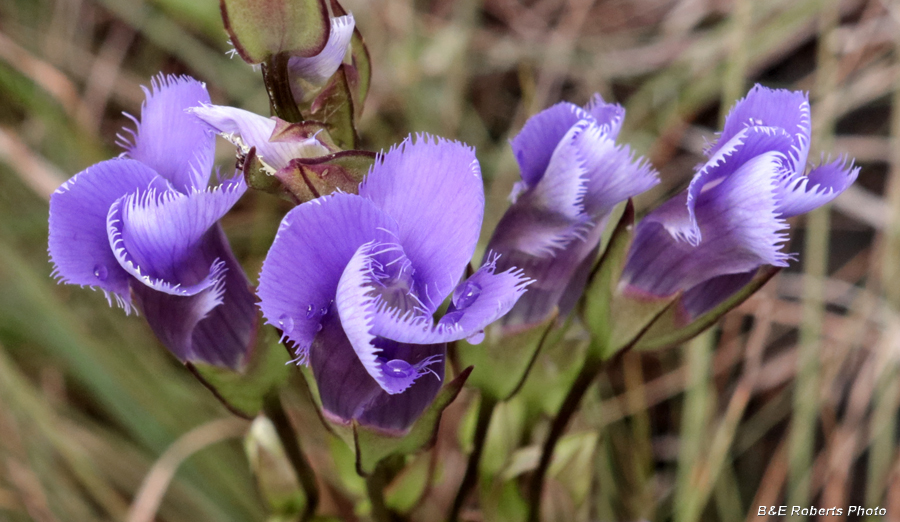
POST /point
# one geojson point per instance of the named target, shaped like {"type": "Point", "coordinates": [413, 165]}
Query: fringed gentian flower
{"type": "Point", "coordinates": [573, 174]}
{"type": "Point", "coordinates": [354, 280]}
{"type": "Point", "coordinates": [144, 227]}
{"type": "Point", "coordinates": [709, 240]}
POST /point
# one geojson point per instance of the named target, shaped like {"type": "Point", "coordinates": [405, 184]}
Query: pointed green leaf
{"type": "Point", "coordinates": [309, 178]}
{"type": "Point", "coordinates": [359, 74]}
{"type": "Point", "coordinates": [671, 330]}
{"type": "Point", "coordinates": [373, 446]}
{"type": "Point", "coordinates": [257, 176]}
{"type": "Point", "coordinates": [408, 487]}
{"type": "Point", "coordinates": [617, 320]}
{"type": "Point", "coordinates": [260, 29]}
{"type": "Point", "coordinates": [605, 277]}
{"type": "Point", "coordinates": [515, 353]}
{"type": "Point", "coordinates": [243, 391]}
{"type": "Point", "coordinates": [287, 132]}
{"type": "Point", "coordinates": [573, 464]}
{"type": "Point", "coordinates": [275, 478]}
{"type": "Point", "coordinates": [334, 107]}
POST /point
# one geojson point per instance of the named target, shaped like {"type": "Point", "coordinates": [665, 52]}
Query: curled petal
{"type": "Point", "coordinates": [398, 411]}
{"type": "Point", "coordinates": [173, 317]}
{"type": "Point", "coordinates": [315, 241]}
{"type": "Point", "coordinates": [613, 172]}
{"type": "Point", "coordinates": [745, 145]}
{"type": "Point", "coordinates": [549, 216]}
{"type": "Point", "coordinates": [537, 141]}
{"type": "Point", "coordinates": [349, 393]}
{"type": "Point", "coordinates": [484, 297]}
{"type": "Point", "coordinates": [799, 194]}
{"type": "Point", "coordinates": [172, 142]}
{"type": "Point", "coordinates": [477, 302]}
{"type": "Point", "coordinates": [245, 130]}
{"type": "Point", "coordinates": [776, 108]}
{"type": "Point", "coordinates": [433, 190]}
{"type": "Point", "coordinates": [215, 325]}
{"type": "Point", "coordinates": [554, 226]}
{"type": "Point", "coordinates": [562, 188]}
{"type": "Point", "coordinates": [319, 68]}
{"type": "Point", "coordinates": [357, 306]}
{"type": "Point", "coordinates": [608, 116]}
{"type": "Point", "coordinates": [79, 244]}
{"type": "Point", "coordinates": [157, 237]}
{"type": "Point", "coordinates": [741, 230]}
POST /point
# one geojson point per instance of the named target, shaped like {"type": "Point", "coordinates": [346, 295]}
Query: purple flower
{"type": "Point", "coordinates": [573, 174]}
{"type": "Point", "coordinates": [354, 280]}
{"type": "Point", "coordinates": [144, 227]}
{"type": "Point", "coordinates": [709, 240]}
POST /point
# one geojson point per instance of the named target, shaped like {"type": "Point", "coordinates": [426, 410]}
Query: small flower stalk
{"type": "Point", "coordinates": [143, 229]}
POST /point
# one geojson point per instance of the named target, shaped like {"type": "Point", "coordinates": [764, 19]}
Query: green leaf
{"type": "Point", "coordinates": [373, 446]}
{"type": "Point", "coordinates": [671, 330]}
{"type": "Point", "coordinates": [261, 29]}
{"type": "Point", "coordinates": [287, 132]}
{"type": "Point", "coordinates": [573, 464]}
{"type": "Point", "coordinates": [334, 107]}
{"type": "Point", "coordinates": [504, 503]}
{"type": "Point", "coordinates": [617, 320]}
{"type": "Point", "coordinates": [359, 73]}
{"type": "Point", "coordinates": [257, 176]}
{"type": "Point", "coordinates": [309, 178]}
{"type": "Point", "coordinates": [514, 353]}
{"type": "Point", "coordinates": [508, 424]}
{"type": "Point", "coordinates": [243, 391]}
{"type": "Point", "coordinates": [407, 488]}
{"type": "Point", "coordinates": [275, 478]}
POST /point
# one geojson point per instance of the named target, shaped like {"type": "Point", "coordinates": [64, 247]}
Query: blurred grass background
{"type": "Point", "coordinates": [793, 399]}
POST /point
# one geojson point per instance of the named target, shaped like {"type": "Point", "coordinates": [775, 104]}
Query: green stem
{"type": "Point", "coordinates": [278, 86]}
{"type": "Point", "coordinates": [569, 406]}
{"type": "Point", "coordinates": [485, 412]}
{"type": "Point", "coordinates": [274, 410]}
{"type": "Point", "coordinates": [375, 484]}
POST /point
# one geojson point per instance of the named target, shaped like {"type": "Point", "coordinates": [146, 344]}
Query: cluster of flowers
{"type": "Point", "coordinates": [355, 280]}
